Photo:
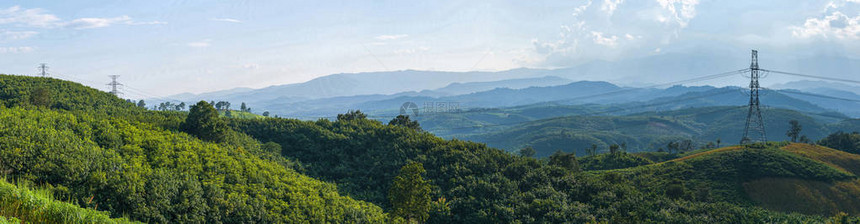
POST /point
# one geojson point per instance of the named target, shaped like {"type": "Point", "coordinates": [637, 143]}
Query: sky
{"type": "Point", "coordinates": [177, 46]}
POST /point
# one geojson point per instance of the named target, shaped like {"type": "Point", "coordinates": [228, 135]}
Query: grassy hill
{"type": "Point", "coordinates": [19, 204]}
{"type": "Point", "coordinates": [811, 196]}
{"type": "Point", "coordinates": [90, 147]}
{"type": "Point", "coordinates": [648, 131]}
{"type": "Point", "coordinates": [783, 177]}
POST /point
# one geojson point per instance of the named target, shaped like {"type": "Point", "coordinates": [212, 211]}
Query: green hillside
{"type": "Point", "coordinates": [473, 183]}
{"type": "Point", "coordinates": [114, 157]}
{"type": "Point", "coordinates": [18, 204]}
{"type": "Point", "coordinates": [239, 114]}
{"type": "Point", "coordinates": [90, 147]}
{"type": "Point", "coordinates": [783, 177]}
{"type": "Point", "coordinates": [649, 131]}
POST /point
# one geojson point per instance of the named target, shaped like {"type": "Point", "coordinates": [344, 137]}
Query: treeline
{"type": "Point", "coordinates": [472, 183]}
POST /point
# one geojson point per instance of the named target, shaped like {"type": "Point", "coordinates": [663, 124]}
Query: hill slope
{"type": "Point", "coordinates": [92, 147]}
{"type": "Point", "coordinates": [476, 184]}
{"type": "Point", "coordinates": [19, 203]}
{"type": "Point", "coordinates": [811, 196]}
{"type": "Point", "coordinates": [644, 131]}
{"type": "Point", "coordinates": [783, 177]}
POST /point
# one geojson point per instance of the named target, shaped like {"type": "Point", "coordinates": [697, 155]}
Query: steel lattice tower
{"type": "Point", "coordinates": [754, 123]}
{"type": "Point", "coordinates": [113, 84]}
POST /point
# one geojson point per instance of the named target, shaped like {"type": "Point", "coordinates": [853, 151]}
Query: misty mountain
{"type": "Point", "coordinates": [473, 87]}
{"type": "Point", "coordinates": [818, 86]}
{"type": "Point", "coordinates": [371, 83]}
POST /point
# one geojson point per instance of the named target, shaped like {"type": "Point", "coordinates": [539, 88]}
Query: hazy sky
{"type": "Point", "coordinates": [173, 46]}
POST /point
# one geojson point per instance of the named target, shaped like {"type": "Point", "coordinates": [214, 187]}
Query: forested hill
{"type": "Point", "coordinates": [99, 152]}
{"type": "Point", "coordinates": [93, 149]}
{"type": "Point", "coordinates": [472, 183]}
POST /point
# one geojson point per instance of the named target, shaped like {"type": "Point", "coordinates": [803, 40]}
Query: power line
{"type": "Point", "coordinates": [814, 76]}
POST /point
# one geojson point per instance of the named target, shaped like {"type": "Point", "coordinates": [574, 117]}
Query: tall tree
{"type": "Point", "coordinates": [403, 120]}
{"type": "Point", "coordinates": [613, 148]}
{"type": "Point", "coordinates": [203, 122]}
{"type": "Point", "coordinates": [141, 104]}
{"type": "Point", "coordinates": [564, 160]}
{"type": "Point", "coordinates": [793, 130]}
{"type": "Point", "coordinates": [410, 194]}
{"type": "Point", "coordinates": [528, 151]}
{"type": "Point", "coordinates": [351, 115]}
{"type": "Point", "coordinates": [244, 107]}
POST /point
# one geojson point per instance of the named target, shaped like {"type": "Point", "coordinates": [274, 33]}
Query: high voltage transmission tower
{"type": "Point", "coordinates": [113, 84]}
{"type": "Point", "coordinates": [754, 122]}
{"type": "Point", "coordinates": [43, 69]}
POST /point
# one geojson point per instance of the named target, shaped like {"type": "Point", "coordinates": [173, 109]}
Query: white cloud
{"type": "Point", "coordinates": [598, 38]}
{"type": "Point", "coordinates": [412, 50]}
{"type": "Point", "coordinates": [229, 20]}
{"type": "Point", "coordinates": [251, 66]}
{"type": "Point", "coordinates": [27, 17]}
{"type": "Point", "coordinates": [89, 23]}
{"type": "Point", "coordinates": [15, 50]}
{"type": "Point", "coordinates": [580, 9]}
{"type": "Point", "coordinates": [611, 31]}
{"type": "Point", "coordinates": [680, 11]}
{"type": "Point", "coordinates": [836, 25]}
{"type": "Point", "coordinates": [609, 6]}
{"type": "Point", "coordinates": [200, 44]}
{"type": "Point", "coordinates": [16, 35]}
{"type": "Point", "coordinates": [391, 37]}
{"type": "Point", "coordinates": [37, 17]}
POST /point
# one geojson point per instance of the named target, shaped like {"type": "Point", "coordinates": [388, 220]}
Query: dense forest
{"type": "Point", "coordinates": [89, 152]}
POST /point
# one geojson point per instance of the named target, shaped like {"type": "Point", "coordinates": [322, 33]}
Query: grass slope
{"type": "Point", "coordinates": [18, 204]}
{"type": "Point", "coordinates": [720, 174]}
{"type": "Point", "coordinates": [811, 196]}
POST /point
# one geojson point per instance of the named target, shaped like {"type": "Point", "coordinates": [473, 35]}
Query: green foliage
{"type": "Point", "coordinates": [404, 121]}
{"type": "Point", "coordinates": [564, 160]}
{"type": "Point", "coordinates": [649, 131]}
{"type": "Point", "coordinates": [239, 114]}
{"type": "Point", "coordinates": [410, 193]}
{"type": "Point", "coordinates": [718, 176]}
{"type": "Point", "coordinates": [352, 115]}
{"type": "Point", "coordinates": [486, 185]}
{"type": "Point", "coordinates": [23, 205]}
{"type": "Point", "coordinates": [203, 122]}
{"type": "Point", "coordinates": [528, 151]}
{"type": "Point", "coordinates": [793, 131]}
{"type": "Point", "coordinates": [848, 142]}
{"type": "Point", "coordinates": [609, 161]}
{"type": "Point", "coordinates": [105, 153]}
{"type": "Point", "coordinates": [159, 176]}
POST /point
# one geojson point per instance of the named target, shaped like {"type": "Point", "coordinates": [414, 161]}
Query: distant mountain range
{"type": "Point", "coordinates": [382, 93]}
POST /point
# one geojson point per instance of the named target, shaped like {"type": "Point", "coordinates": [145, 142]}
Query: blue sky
{"type": "Point", "coordinates": [177, 46]}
